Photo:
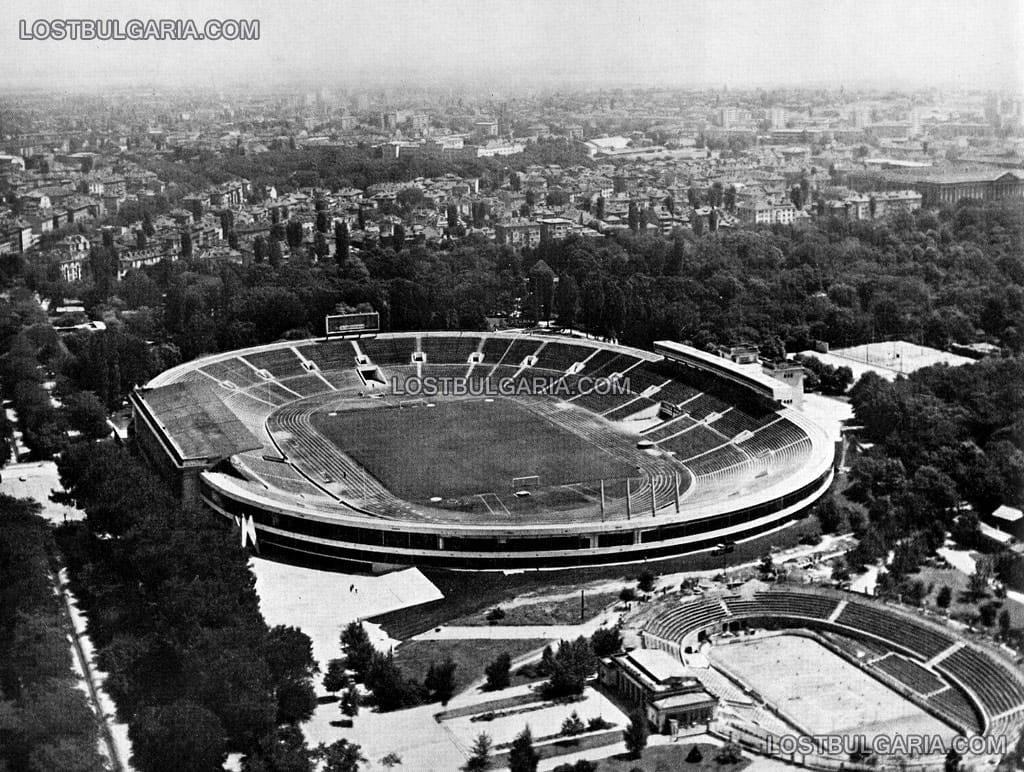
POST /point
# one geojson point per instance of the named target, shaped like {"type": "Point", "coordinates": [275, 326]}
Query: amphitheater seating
{"type": "Point", "coordinates": [389, 351]}
{"type": "Point", "coordinates": [910, 673]}
{"type": "Point", "coordinates": [918, 638]}
{"type": "Point", "coordinates": [670, 427]}
{"type": "Point", "coordinates": [233, 370]}
{"type": "Point", "coordinates": [343, 378]}
{"type": "Point", "coordinates": [272, 392]}
{"type": "Point", "coordinates": [281, 363]}
{"type": "Point", "coordinates": [677, 392]}
{"type": "Point", "coordinates": [734, 421]}
{"type": "Point", "coordinates": [517, 351]}
{"type": "Point", "coordinates": [278, 475]}
{"type": "Point", "coordinates": [997, 689]}
{"type": "Point", "coordinates": [494, 349]}
{"type": "Point", "coordinates": [774, 437]}
{"type": "Point", "coordinates": [306, 385]}
{"type": "Point", "coordinates": [688, 617]}
{"type": "Point", "coordinates": [694, 440]}
{"type": "Point", "coordinates": [858, 648]}
{"type": "Point", "coordinates": [951, 703]}
{"type": "Point", "coordinates": [705, 405]}
{"type": "Point", "coordinates": [784, 603]}
{"type": "Point", "coordinates": [600, 403]}
{"type": "Point", "coordinates": [561, 356]}
{"type": "Point", "coordinates": [635, 405]}
{"type": "Point", "coordinates": [449, 350]}
{"type": "Point", "coordinates": [719, 459]}
{"type": "Point", "coordinates": [642, 377]}
{"type": "Point", "coordinates": [594, 360]}
{"type": "Point", "coordinates": [330, 355]}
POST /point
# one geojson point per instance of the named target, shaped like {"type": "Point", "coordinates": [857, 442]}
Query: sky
{"type": "Point", "coordinates": [523, 43]}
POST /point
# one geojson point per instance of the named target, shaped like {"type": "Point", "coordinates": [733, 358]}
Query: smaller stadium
{"type": "Point", "coordinates": [484, 451]}
{"type": "Point", "coordinates": [816, 676]}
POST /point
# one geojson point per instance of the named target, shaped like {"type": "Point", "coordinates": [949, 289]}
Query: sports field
{"type": "Point", "coordinates": [464, 447]}
{"type": "Point", "coordinates": [822, 692]}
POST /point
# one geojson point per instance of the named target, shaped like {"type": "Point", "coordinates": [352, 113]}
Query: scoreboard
{"type": "Point", "coordinates": [352, 324]}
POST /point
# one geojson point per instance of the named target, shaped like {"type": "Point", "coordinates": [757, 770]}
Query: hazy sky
{"type": "Point", "coordinates": [973, 43]}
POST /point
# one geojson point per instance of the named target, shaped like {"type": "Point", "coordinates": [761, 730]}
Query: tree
{"type": "Point", "coordinates": [573, 725]}
{"type": "Point", "coordinates": [186, 244]}
{"type": "Point", "coordinates": [390, 760]}
{"type": "Point", "coordinates": [479, 755]}
{"type": "Point", "coordinates": [497, 672]}
{"type": "Point", "coordinates": [694, 756]}
{"type": "Point", "coordinates": [182, 736]}
{"type": "Point", "coordinates": [952, 762]}
{"type": "Point", "coordinates": [334, 678]}
{"type": "Point", "coordinates": [606, 641]}
{"type": "Point", "coordinates": [357, 647]}
{"type": "Point", "coordinates": [633, 217]}
{"type": "Point", "coordinates": [275, 253]}
{"type": "Point", "coordinates": [86, 413]}
{"type": "Point", "coordinates": [440, 681]}
{"type": "Point", "coordinates": [567, 300]}
{"type": "Point", "coordinates": [944, 596]}
{"type": "Point", "coordinates": [522, 757]}
{"type": "Point", "coordinates": [636, 735]}
{"type": "Point", "coordinates": [646, 581]}
{"type": "Point", "coordinates": [571, 665]}
{"type": "Point", "coordinates": [599, 208]}
{"type": "Point", "coordinates": [341, 756]}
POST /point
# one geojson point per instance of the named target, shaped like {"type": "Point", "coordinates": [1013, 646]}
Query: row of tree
{"type": "Point", "coordinates": [45, 721]}
{"type": "Point", "coordinates": [194, 669]}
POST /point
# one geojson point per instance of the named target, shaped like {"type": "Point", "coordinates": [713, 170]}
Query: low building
{"type": "Point", "coordinates": [659, 685]}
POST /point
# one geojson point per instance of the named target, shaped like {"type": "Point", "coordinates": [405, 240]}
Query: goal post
{"type": "Point", "coordinates": [530, 482]}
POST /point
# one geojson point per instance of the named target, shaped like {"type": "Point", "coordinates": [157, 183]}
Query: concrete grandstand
{"type": "Point", "coordinates": [550, 451]}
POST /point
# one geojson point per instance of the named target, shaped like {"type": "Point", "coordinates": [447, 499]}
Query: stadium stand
{"type": "Point", "coordinates": [517, 351]}
{"type": "Point", "coordinates": [951, 703]}
{"type": "Point", "coordinates": [720, 459]}
{"type": "Point", "coordinates": [784, 604]}
{"type": "Point", "coordinates": [330, 355]}
{"type": "Point", "coordinates": [998, 692]}
{"type": "Point", "coordinates": [307, 385]}
{"type": "Point", "coordinates": [688, 617]}
{"type": "Point", "coordinates": [281, 363]}
{"type": "Point", "coordinates": [691, 441]}
{"type": "Point", "coordinates": [597, 363]}
{"type": "Point", "coordinates": [734, 421]}
{"type": "Point", "coordinates": [910, 673]}
{"type": "Point", "coordinates": [601, 402]}
{"type": "Point", "coordinates": [448, 349]}
{"type": "Point", "coordinates": [635, 405]}
{"type": "Point", "coordinates": [920, 639]}
{"type": "Point", "coordinates": [775, 436]}
{"type": "Point", "coordinates": [668, 428]}
{"type": "Point", "coordinates": [561, 356]}
{"type": "Point", "coordinates": [233, 370]}
{"type": "Point", "coordinates": [389, 351]}
{"type": "Point", "coordinates": [677, 392]}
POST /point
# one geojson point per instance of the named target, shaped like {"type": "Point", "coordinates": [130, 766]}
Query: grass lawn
{"type": "Point", "coordinates": [565, 611]}
{"type": "Point", "coordinates": [471, 656]}
{"type": "Point", "coordinates": [673, 757]}
{"type": "Point", "coordinates": [961, 607]}
{"type": "Point", "coordinates": [465, 447]}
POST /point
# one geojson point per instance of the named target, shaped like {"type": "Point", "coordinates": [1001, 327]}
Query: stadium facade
{"type": "Point", "coordinates": [719, 455]}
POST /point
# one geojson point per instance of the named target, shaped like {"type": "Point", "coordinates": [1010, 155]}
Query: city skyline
{"type": "Point", "coordinates": [533, 43]}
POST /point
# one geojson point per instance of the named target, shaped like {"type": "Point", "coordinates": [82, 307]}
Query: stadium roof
{"type": "Point", "coordinates": [196, 422]}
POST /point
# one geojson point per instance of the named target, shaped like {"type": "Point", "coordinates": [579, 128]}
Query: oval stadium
{"type": "Point", "coordinates": [484, 451]}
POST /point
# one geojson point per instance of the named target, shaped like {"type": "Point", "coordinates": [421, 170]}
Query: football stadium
{"type": "Point", "coordinates": [806, 674]}
{"type": "Point", "coordinates": [483, 451]}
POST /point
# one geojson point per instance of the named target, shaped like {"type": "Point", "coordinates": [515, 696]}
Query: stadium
{"type": "Point", "coordinates": [483, 451]}
{"type": "Point", "coordinates": [792, 661]}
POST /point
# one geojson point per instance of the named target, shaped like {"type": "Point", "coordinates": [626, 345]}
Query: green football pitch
{"type": "Point", "coordinates": [464, 447]}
